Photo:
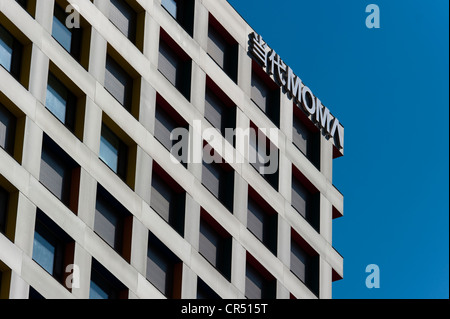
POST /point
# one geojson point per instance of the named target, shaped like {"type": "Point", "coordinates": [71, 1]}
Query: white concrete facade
{"type": "Point", "coordinates": [23, 175]}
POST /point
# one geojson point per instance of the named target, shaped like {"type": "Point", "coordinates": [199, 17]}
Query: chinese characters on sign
{"type": "Point", "coordinates": [301, 94]}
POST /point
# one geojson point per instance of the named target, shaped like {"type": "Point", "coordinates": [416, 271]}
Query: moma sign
{"type": "Point", "coordinates": [302, 95]}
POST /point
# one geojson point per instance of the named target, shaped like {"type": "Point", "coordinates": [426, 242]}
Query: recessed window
{"type": "Point", "coordinates": [220, 111]}
{"type": "Point", "coordinates": [68, 37]}
{"type": "Point", "coordinates": [215, 244]}
{"type": "Point", "coordinates": [175, 65]}
{"type": "Point", "coordinates": [222, 48]}
{"type": "Point", "coordinates": [182, 11]}
{"type": "Point", "coordinates": [105, 285]}
{"type": "Point", "coordinates": [53, 249]}
{"type": "Point", "coordinates": [113, 152]}
{"type": "Point", "coordinates": [259, 283]}
{"type": "Point", "coordinates": [305, 263]}
{"type": "Point", "coordinates": [218, 177]}
{"type": "Point", "coordinates": [167, 121]}
{"type": "Point", "coordinates": [61, 102]}
{"type": "Point", "coordinates": [4, 204]}
{"type": "Point", "coordinates": [265, 94]}
{"type": "Point", "coordinates": [124, 18]}
{"type": "Point", "coordinates": [7, 129]}
{"type": "Point", "coordinates": [306, 137]}
{"type": "Point", "coordinates": [5, 280]}
{"type": "Point", "coordinates": [264, 156]}
{"type": "Point", "coordinates": [9, 197]}
{"type": "Point", "coordinates": [204, 291]}
{"type": "Point", "coordinates": [59, 173]}
{"type": "Point", "coordinates": [119, 83]}
{"type": "Point", "coordinates": [113, 222]}
{"type": "Point", "coordinates": [168, 199]}
{"type": "Point", "coordinates": [10, 52]}
{"type": "Point", "coordinates": [262, 220]}
{"type": "Point", "coordinates": [164, 269]}
{"type": "Point", "coordinates": [305, 198]}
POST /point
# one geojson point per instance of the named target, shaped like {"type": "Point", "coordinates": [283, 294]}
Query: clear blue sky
{"type": "Point", "coordinates": [389, 88]}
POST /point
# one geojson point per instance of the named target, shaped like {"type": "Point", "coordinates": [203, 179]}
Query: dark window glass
{"type": "Point", "coordinates": [219, 180]}
{"type": "Point", "coordinates": [176, 68]}
{"type": "Point", "coordinates": [182, 11]}
{"type": "Point", "coordinates": [10, 52]}
{"type": "Point", "coordinates": [104, 285]}
{"type": "Point", "coordinates": [7, 129]}
{"type": "Point", "coordinates": [118, 82]}
{"type": "Point", "coordinates": [305, 266]}
{"type": "Point", "coordinates": [305, 202]}
{"type": "Point", "coordinates": [266, 97]}
{"type": "Point", "coordinates": [306, 140]}
{"type": "Point", "coordinates": [257, 285]}
{"type": "Point", "coordinates": [58, 172]}
{"type": "Point", "coordinates": [61, 102]}
{"type": "Point", "coordinates": [4, 200]}
{"type": "Point", "coordinates": [124, 18]}
{"type": "Point", "coordinates": [163, 268]}
{"type": "Point", "coordinates": [112, 222]}
{"type": "Point", "coordinates": [168, 200]}
{"type": "Point", "coordinates": [113, 152]}
{"type": "Point", "coordinates": [23, 3]}
{"type": "Point", "coordinates": [215, 247]}
{"type": "Point", "coordinates": [204, 291]}
{"type": "Point", "coordinates": [262, 223]}
{"type": "Point", "coordinates": [69, 38]}
{"type": "Point", "coordinates": [52, 247]}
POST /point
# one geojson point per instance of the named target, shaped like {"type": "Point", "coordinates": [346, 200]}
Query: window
{"type": "Point", "coordinates": [113, 222]}
{"type": "Point", "coordinates": [53, 249]}
{"type": "Point", "coordinates": [264, 156]}
{"type": "Point", "coordinates": [61, 102]}
{"type": "Point", "coordinates": [69, 38]}
{"type": "Point", "coordinates": [124, 18]}
{"type": "Point", "coordinates": [104, 285]}
{"type": "Point", "coordinates": [119, 83]}
{"type": "Point", "coordinates": [182, 11]}
{"type": "Point", "coordinates": [305, 198]}
{"type": "Point", "coordinates": [259, 283]}
{"type": "Point", "coordinates": [10, 52]}
{"type": "Point", "coordinates": [222, 48]}
{"type": "Point", "coordinates": [305, 263]}
{"type": "Point", "coordinates": [220, 111]}
{"type": "Point", "coordinates": [306, 137]}
{"type": "Point", "coordinates": [266, 94]}
{"type": "Point", "coordinates": [164, 269]}
{"type": "Point", "coordinates": [262, 220]}
{"type": "Point", "coordinates": [215, 244]}
{"type": "Point", "coordinates": [7, 130]}
{"type": "Point", "coordinates": [218, 178]}
{"type": "Point", "coordinates": [166, 121]}
{"type": "Point", "coordinates": [59, 173]}
{"type": "Point", "coordinates": [113, 152]}
{"type": "Point", "coordinates": [5, 279]}
{"type": "Point", "coordinates": [4, 205]}
{"type": "Point", "coordinates": [168, 199]}
{"type": "Point", "coordinates": [175, 65]}
{"type": "Point", "coordinates": [204, 291]}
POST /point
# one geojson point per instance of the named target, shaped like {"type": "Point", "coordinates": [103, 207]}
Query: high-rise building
{"type": "Point", "coordinates": [159, 149]}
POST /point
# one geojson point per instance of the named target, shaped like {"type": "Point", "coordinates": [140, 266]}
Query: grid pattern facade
{"type": "Point", "coordinates": [86, 163]}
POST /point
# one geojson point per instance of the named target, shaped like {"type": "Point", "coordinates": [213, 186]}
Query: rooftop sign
{"type": "Point", "coordinates": [302, 95]}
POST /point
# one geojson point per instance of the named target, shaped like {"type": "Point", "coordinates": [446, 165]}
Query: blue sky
{"type": "Point", "coordinates": [389, 88]}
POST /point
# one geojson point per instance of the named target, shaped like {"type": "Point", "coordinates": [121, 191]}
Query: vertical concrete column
{"type": "Point", "coordinates": [18, 289]}
{"type": "Point", "coordinates": [87, 198]}
{"type": "Point", "coordinates": [32, 147]}
{"type": "Point", "coordinates": [189, 283]}
{"type": "Point", "coordinates": [326, 218]}
{"type": "Point", "coordinates": [26, 217]}
{"type": "Point", "coordinates": [38, 74]}
{"type": "Point", "coordinates": [286, 116]}
{"type": "Point", "coordinates": [282, 292]}
{"type": "Point", "coordinates": [143, 181]}
{"type": "Point", "coordinates": [81, 272]}
{"type": "Point", "coordinates": [92, 126]}
{"type": "Point", "coordinates": [285, 177]}
{"type": "Point", "coordinates": [151, 41]}
{"type": "Point", "coordinates": [325, 279]}
{"type": "Point", "coordinates": [192, 221]}
{"type": "Point", "coordinates": [195, 152]}
{"type": "Point", "coordinates": [147, 106]}
{"type": "Point", "coordinates": [245, 71]}
{"type": "Point", "coordinates": [240, 199]}
{"type": "Point", "coordinates": [44, 14]}
{"type": "Point", "coordinates": [238, 266]}
{"type": "Point", "coordinates": [201, 21]}
{"type": "Point", "coordinates": [198, 88]}
{"type": "Point", "coordinates": [139, 242]}
{"type": "Point", "coordinates": [97, 56]}
{"type": "Point", "coordinates": [326, 158]}
{"type": "Point", "coordinates": [284, 242]}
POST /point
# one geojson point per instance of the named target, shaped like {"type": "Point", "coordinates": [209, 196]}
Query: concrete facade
{"type": "Point", "coordinates": [23, 172]}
